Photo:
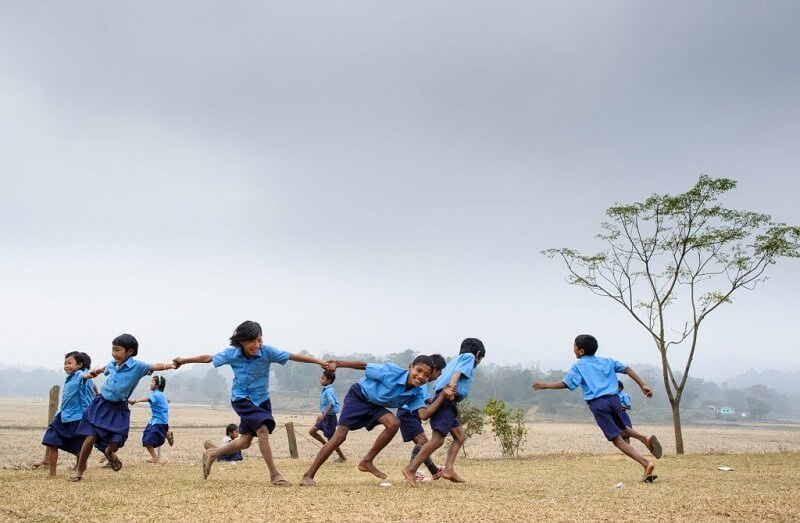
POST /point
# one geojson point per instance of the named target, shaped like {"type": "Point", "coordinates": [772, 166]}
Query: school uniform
{"type": "Point", "coordinates": [383, 385]}
{"type": "Point", "coordinates": [410, 424]}
{"type": "Point", "coordinates": [446, 416]}
{"type": "Point", "coordinates": [155, 433]}
{"type": "Point", "coordinates": [598, 379]}
{"type": "Point", "coordinates": [625, 402]}
{"type": "Point", "coordinates": [62, 431]}
{"type": "Point", "coordinates": [233, 456]}
{"type": "Point", "coordinates": [327, 398]}
{"type": "Point", "coordinates": [108, 418]}
{"type": "Point", "coordinates": [250, 387]}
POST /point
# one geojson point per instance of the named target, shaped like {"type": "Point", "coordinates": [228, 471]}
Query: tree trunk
{"type": "Point", "coordinates": [676, 423]}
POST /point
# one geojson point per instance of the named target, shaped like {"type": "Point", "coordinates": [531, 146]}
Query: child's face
{"type": "Point", "coordinates": [250, 347]}
{"type": "Point", "coordinates": [323, 380]}
{"type": "Point", "coordinates": [235, 433]}
{"type": "Point", "coordinates": [153, 384]}
{"type": "Point", "coordinates": [120, 354]}
{"type": "Point", "coordinates": [578, 352]}
{"type": "Point", "coordinates": [435, 374]}
{"type": "Point", "coordinates": [478, 359]}
{"type": "Point", "coordinates": [418, 374]}
{"type": "Point", "coordinates": [70, 365]}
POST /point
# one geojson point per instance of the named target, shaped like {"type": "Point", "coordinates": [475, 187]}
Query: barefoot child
{"type": "Point", "coordinates": [328, 408]}
{"type": "Point", "coordinates": [455, 383]}
{"type": "Point", "coordinates": [250, 360]}
{"type": "Point", "coordinates": [383, 385]}
{"type": "Point", "coordinates": [108, 418]}
{"type": "Point", "coordinates": [411, 422]}
{"type": "Point", "coordinates": [61, 434]}
{"type": "Point", "coordinates": [157, 431]}
{"type": "Point", "coordinates": [598, 379]}
{"type": "Point", "coordinates": [231, 433]}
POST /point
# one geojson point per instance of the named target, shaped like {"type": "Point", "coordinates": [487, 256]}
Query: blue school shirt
{"type": "Point", "coordinates": [159, 408]}
{"type": "Point", "coordinates": [384, 384]}
{"type": "Point", "coordinates": [328, 397]}
{"type": "Point", "coordinates": [465, 364]}
{"type": "Point", "coordinates": [72, 398]}
{"type": "Point", "coordinates": [250, 375]}
{"type": "Point", "coordinates": [624, 399]}
{"type": "Point", "coordinates": [426, 397]}
{"type": "Point", "coordinates": [122, 379]}
{"type": "Point", "coordinates": [87, 395]}
{"type": "Point", "coordinates": [597, 376]}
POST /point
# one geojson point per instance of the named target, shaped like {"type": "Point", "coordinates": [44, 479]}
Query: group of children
{"type": "Point", "coordinates": [89, 418]}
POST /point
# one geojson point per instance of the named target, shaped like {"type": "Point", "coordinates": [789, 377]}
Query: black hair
{"type": "Point", "coordinates": [587, 343]}
{"type": "Point", "coordinates": [87, 359]}
{"type": "Point", "coordinates": [246, 331]}
{"type": "Point", "coordinates": [79, 357]}
{"type": "Point", "coordinates": [620, 386]}
{"type": "Point", "coordinates": [473, 346]}
{"type": "Point", "coordinates": [127, 342]}
{"type": "Point", "coordinates": [423, 360]}
{"type": "Point", "coordinates": [329, 375]}
{"type": "Point", "coordinates": [160, 382]}
{"type": "Point", "coordinates": [230, 428]}
{"type": "Point", "coordinates": [438, 362]}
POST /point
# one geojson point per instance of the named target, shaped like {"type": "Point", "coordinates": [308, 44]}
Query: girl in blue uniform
{"type": "Point", "coordinates": [365, 405]}
{"type": "Point", "coordinates": [250, 360]}
{"type": "Point", "coordinates": [61, 433]}
{"type": "Point", "coordinates": [108, 418]}
{"type": "Point", "coordinates": [157, 431]}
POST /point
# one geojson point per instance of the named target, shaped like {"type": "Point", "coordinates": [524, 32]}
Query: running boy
{"type": "Point", "coordinates": [328, 409]}
{"type": "Point", "coordinates": [456, 379]}
{"type": "Point", "coordinates": [598, 379]}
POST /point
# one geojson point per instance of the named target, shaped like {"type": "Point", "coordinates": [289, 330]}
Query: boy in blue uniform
{"type": "Point", "coordinates": [365, 406]}
{"type": "Point", "coordinates": [455, 383]}
{"type": "Point", "coordinates": [598, 379]}
{"type": "Point", "coordinates": [328, 409]}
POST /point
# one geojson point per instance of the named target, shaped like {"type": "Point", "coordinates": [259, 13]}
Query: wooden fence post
{"type": "Point", "coordinates": [292, 440]}
{"type": "Point", "coordinates": [53, 406]}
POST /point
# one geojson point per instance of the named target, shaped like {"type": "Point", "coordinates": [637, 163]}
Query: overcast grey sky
{"type": "Point", "coordinates": [376, 176]}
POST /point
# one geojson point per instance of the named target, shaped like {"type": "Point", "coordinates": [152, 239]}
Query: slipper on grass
{"type": "Point", "coordinates": [654, 446]}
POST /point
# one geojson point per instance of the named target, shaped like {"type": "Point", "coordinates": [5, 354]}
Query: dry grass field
{"type": "Point", "coordinates": [567, 473]}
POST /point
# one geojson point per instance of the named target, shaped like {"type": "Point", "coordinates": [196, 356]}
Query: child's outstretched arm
{"type": "Point", "coordinates": [155, 367]}
{"type": "Point", "coordinates": [426, 412]}
{"type": "Point", "coordinates": [540, 385]}
{"type": "Point", "coordinates": [95, 372]}
{"type": "Point", "coordinates": [332, 365]}
{"type": "Point", "coordinates": [140, 400]}
{"type": "Point", "coordinates": [647, 391]}
{"type": "Point", "coordinates": [203, 358]}
{"type": "Point", "coordinates": [302, 358]}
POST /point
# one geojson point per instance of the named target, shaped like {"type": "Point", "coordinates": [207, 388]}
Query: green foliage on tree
{"type": "Point", "coordinates": [507, 426]}
{"type": "Point", "coordinates": [686, 252]}
{"type": "Point", "coordinates": [471, 420]}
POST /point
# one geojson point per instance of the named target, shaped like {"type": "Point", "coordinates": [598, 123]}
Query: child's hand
{"type": "Point", "coordinates": [449, 393]}
{"type": "Point", "coordinates": [647, 391]}
{"type": "Point", "coordinates": [538, 385]}
{"type": "Point", "coordinates": [177, 362]}
{"type": "Point", "coordinates": [131, 402]}
{"type": "Point", "coordinates": [330, 365]}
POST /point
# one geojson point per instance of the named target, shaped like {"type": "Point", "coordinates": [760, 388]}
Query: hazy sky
{"type": "Point", "coordinates": [376, 176]}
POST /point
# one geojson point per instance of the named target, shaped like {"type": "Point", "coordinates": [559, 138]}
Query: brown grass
{"type": "Point", "coordinates": [568, 473]}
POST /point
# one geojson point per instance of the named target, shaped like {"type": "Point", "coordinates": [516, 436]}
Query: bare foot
{"type": "Point", "coordinates": [207, 461]}
{"type": "Point", "coordinates": [367, 466]}
{"type": "Point", "coordinates": [152, 461]}
{"type": "Point", "coordinates": [279, 481]}
{"type": "Point", "coordinates": [340, 460]}
{"type": "Point", "coordinates": [307, 482]}
{"type": "Point", "coordinates": [170, 439]}
{"type": "Point", "coordinates": [452, 476]}
{"type": "Point", "coordinates": [75, 476]}
{"type": "Point", "coordinates": [40, 464]}
{"type": "Point", "coordinates": [51, 476]}
{"type": "Point", "coordinates": [409, 476]}
{"type": "Point", "coordinates": [648, 476]}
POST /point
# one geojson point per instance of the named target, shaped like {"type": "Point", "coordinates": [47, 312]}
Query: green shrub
{"type": "Point", "coordinates": [507, 426]}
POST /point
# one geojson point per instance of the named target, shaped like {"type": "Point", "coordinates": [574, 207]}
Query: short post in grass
{"type": "Point", "coordinates": [53, 405]}
{"type": "Point", "coordinates": [292, 441]}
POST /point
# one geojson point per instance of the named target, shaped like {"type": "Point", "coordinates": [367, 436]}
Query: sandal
{"type": "Point", "coordinates": [654, 446]}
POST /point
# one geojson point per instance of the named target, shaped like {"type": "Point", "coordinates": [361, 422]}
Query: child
{"type": "Point", "coordinates": [597, 377]}
{"type": "Point", "coordinates": [328, 408]}
{"type": "Point", "coordinates": [108, 418]}
{"type": "Point", "coordinates": [231, 433]}
{"type": "Point", "coordinates": [383, 385]}
{"type": "Point", "coordinates": [411, 422]}
{"type": "Point", "coordinates": [250, 360]}
{"type": "Point", "coordinates": [61, 433]}
{"type": "Point", "coordinates": [455, 382]}
{"type": "Point", "coordinates": [625, 402]}
{"type": "Point", "coordinates": [158, 429]}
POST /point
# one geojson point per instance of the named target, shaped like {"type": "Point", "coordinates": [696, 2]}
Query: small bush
{"type": "Point", "coordinates": [508, 426]}
{"type": "Point", "coordinates": [471, 420]}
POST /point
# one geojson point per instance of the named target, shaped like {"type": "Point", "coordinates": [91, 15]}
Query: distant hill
{"type": "Point", "coordinates": [783, 382]}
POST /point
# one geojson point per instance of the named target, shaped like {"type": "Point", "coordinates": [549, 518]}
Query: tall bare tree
{"type": "Point", "coordinates": [685, 253]}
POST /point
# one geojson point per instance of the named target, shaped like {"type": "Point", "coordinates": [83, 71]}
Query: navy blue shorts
{"type": "Point", "coordinates": [108, 421]}
{"type": "Point", "coordinates": [327, 425]}
{"type": "Point", "coordinates": [64, 435]}
{"type": "Point", "coordinates": [252, 416]}
{"type": "Point", "coordinates": [606, 411]}
{"type": "Point", "coordinates": [446, 416]}
{"type": "Point", "coordinates": [154, 435]}
{"type": "Point", "coordinates": [358, 412]}
{"type": "Point", "coordinates": [626, 420]}
{"type": "Point", "coordinates": [410, 424]}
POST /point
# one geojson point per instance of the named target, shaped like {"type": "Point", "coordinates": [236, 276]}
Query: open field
{"type": "Point", "coordinates": [568, 472]}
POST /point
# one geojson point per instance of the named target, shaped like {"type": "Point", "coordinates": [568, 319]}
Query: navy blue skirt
{"type": "Point", "coordinates": [252, 416]}
{"type": "Point", "coordinates": [63, 435]}
{"type": "Point", "coordinates": [327, 425]}
{"type": "Point", "coordinates": [108, 421]}
{"type": "Point", "coordinates": [410, 424]}
{"type": "Point", "coordinates": [606, 411]}
{"type": "Point", "coordinates": [358, 412]}
{"type": "Point", "coordinates": [233, 456]}
{"type": "Point", "coordinates": [446, 416]}
{"type": "Point", "coordinates": [154, 435]}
